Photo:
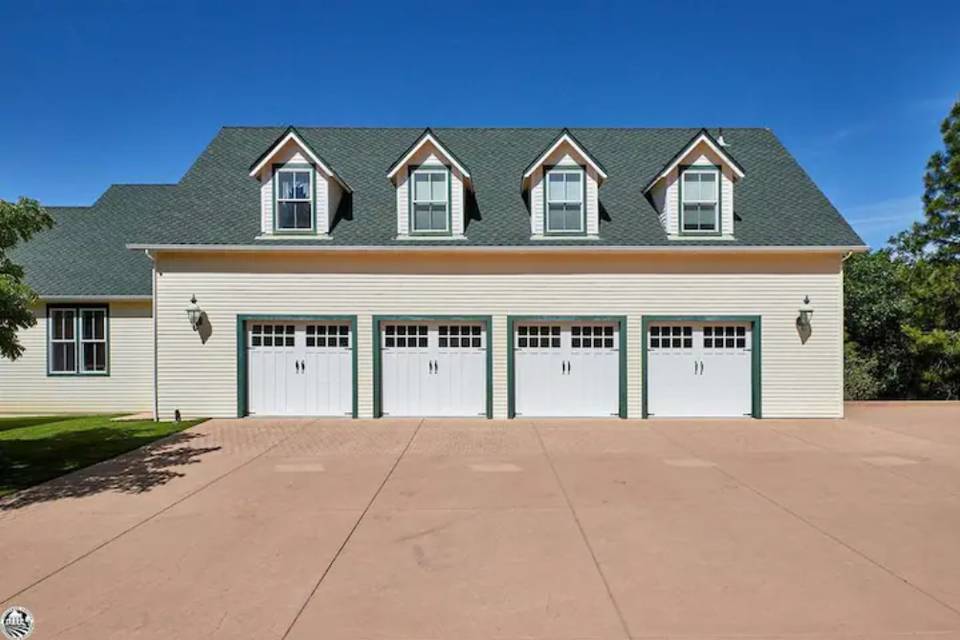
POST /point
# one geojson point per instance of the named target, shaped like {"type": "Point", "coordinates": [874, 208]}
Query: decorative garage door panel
{"type": "Point", "coordinates": [435, 368]}
{"type": "Point", "coordinates": [567, 369]}
{"type": "Point", "coordinates": [300, 368]}
{"type": "Point", "coordinates": [699, 369]}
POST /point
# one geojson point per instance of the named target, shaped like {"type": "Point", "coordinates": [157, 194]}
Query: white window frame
{"type": "Point", "coordinates": [83, 341]}
{"type": "Point", "coordinates": [311, 190]}
{"type": "Point", "coordinates": [582, 202]}
{"type": "Point", "coordinates": [78, 339]}
{"type": "Point", "coordinates": [685, 200]}
{"type": "Point", "coordinates": [430, 170]}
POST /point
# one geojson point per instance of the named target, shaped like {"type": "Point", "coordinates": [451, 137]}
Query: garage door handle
{"type": "Point", "coordinates": [297, 363]}
{"type": "Point", "coordinates": [303, 365]}
{"type": "Point", "coordinates": [701, 367]}
{"type": "Point", "coordinates": [436, 367]}
{"type": "Point", "coordinates": [430, 364]}
{"type": "Point", "coordinates": [569, 367]}
{"type": "Point", "coordinates": [563, 366]}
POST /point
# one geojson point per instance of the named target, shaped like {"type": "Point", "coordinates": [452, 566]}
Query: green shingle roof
{"type": "Point", "coordinates": [216, 202]}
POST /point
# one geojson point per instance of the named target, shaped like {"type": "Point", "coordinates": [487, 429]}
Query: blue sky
{"type": "Point", "coordinates": [103, 92]}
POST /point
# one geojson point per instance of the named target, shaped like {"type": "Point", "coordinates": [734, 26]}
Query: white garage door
{"type": "Point", "coordinates": [434, 368]}
{"type": "Point", "coordinates": [300, 368]}
{"type": "Point", "coordinates": [699, 369]}
{"type": "Point", "coordinates": [567, 369]}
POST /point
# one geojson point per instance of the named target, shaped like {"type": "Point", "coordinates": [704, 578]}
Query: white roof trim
{"type": "Point", "coordinates": [245, 248]}
{"type": "Point", "coordinates": [566, 137]}
{"type": "Point", "coordinates": [303, 147]}
{"type": "Point", "coordinates": [703, 137]}
{"type": "Point", "coordinates": [436, 143]}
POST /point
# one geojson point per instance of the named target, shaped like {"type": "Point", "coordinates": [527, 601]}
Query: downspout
{"type": "Point", "coordinates": [153, 310]}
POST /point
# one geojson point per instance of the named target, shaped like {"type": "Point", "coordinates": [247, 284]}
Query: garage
{"type": "Point", "coordinates": [300, 368]}
{"type": "Point", "coordinates": [434, 367]}
{"type": "Point", "coordinates": [568, 368]}
{"type": "Point", "coordinates": [701, 368]}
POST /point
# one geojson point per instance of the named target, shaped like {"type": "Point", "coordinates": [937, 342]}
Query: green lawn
{"type": "Point", "coordinates": [36, 449]}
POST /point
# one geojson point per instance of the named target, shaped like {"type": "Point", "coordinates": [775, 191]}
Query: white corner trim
{"type": "Point", "coordinates": [565, 138]}
{"type": "Point", "coordinates": [416, 147]}
{"type": "Point", "coordinates": [703, 137]}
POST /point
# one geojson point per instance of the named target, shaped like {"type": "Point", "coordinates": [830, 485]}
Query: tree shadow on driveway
{"type": "Point", "coordinates": [146, 463]}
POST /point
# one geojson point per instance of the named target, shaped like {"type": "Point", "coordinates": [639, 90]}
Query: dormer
{"type": "Point", "coordinates": [693, 192]}
{"type": "Point", "coordinates": [431, 183]}
{"type": "Point", "coordinates": [299, 190]}
{"type": "Point", "coordinates": [562, 187]}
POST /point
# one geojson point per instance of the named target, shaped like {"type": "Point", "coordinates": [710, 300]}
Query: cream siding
{"type": "Point", "coordinates": [797, 379]}
{"type": "Point", "coordinates": [25, 386]}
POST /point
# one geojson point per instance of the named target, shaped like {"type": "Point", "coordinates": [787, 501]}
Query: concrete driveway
{"type": "Point", "coordinates": [551, 529]}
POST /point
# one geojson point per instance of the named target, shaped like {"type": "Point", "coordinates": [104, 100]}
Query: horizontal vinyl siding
{"type": "Point", "coordinates": [25, 386]}
{"type": "Point", "coordinates": [798, 380]}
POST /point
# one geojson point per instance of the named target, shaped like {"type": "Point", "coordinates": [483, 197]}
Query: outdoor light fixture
{"type": "Point", "coordinates": [804, 327]}
{"type": "Point", "coordinates": [194, 314]}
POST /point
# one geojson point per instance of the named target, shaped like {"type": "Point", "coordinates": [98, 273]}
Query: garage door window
{"type": "Point", "coordinates": [271, 335]}
{"type": "Point", "coordinates": [676, 337]}
{"type": "Point", "coordinates": [405, 336]}
{"type": "Point", "coordinates": [724, 338]}
{"type": "Point", "coordinates": [324, 336]}
{"type": "Point", "coordinates": [538, 337]}
{"type": "Point", "coordinates": [589, 337]}
{"type": "Point", "coordinates": [460, 337]}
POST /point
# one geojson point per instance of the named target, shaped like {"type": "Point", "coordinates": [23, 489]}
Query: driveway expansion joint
{"type": "Point", "coordinates": [350, 533]}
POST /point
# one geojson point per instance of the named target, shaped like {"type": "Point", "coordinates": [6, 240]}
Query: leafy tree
{"type": "Point", "coordinates": [878, 361]}
{"type": "Point", "coordinates": [18, 223]}
{"type": "Point", "coordinates": [903, 303]}
{"type": "Point", "coordinates": [938, 235]}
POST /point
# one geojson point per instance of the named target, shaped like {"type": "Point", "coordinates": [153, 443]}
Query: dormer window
{"type": "Point", "coordinates": [294, 188]}
{"type": "Point", "coordinates": [700, 198]}
{"type": "Point", "coordinates": [430, 200]}
{"type": "Point", "coordinates": [564, 202]}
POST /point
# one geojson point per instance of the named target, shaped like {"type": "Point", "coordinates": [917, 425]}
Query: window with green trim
{"type": "Point", "coordinates": [294, 199]}
{"type": "Point", "coordinates": [430, 200]}
{"type": "Point", "coordinates": [701, 200]}
{"type": "Point", "coordinates": [77, 340]}
{"type": "Point", "coordinates": [565, 201]}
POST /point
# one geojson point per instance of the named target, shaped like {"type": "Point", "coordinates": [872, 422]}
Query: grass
{"type": "Point", "coordinates": [37, 448]}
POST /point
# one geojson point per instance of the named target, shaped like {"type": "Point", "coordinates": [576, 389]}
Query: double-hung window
{"type": "Point", "coordinates": [294, 199]}
{"type": "Point", "coordinates": [701, 200]}
{"type": "Point", "coordinates": [77, 340]}
{"type": "Point", "coordinates": [430, 200]}
{"type": "Point", "coordinates": [564, 208]}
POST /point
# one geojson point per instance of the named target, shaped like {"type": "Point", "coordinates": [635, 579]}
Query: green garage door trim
{"type": "Point", "coordinates": [377, 364]}
{"type": "Point", "coordinates": [511, 377]}
{"type": "Point", "coordinates": [242, 320]}
{"type": "Point", "coordinates": [756, 385]}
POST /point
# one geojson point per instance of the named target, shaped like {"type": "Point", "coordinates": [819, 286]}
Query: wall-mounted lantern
{"type": "Point", "coordinates": [804, 326]}
{"type": "Point", "coordinates": [194, 314]}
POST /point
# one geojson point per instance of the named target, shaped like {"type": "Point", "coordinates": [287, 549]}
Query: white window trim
{"type": "Point", "coordinates": [715, 201]}
{"type": "Point", "coordinates": [311, 190]}
{"type": "Point", "coordinates": [82, 341]}
{"type": "Point", "coordinates": [547, 201]}
{"type": "Point", "coordinates": [78, 340]}
{"type": "Point", "coordinates": [432, 170]}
